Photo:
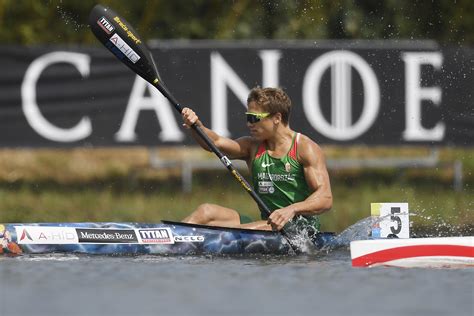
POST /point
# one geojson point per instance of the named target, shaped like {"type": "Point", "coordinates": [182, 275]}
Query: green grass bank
{"type": "Point", "coordinates": [119, 185]}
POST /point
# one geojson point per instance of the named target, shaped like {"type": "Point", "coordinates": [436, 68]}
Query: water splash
{"type": "Point", "coordinates": [433, 226]}
{"type": "Point", "coordinates": [437, 226]}
{"type": "Point", "coordinates": [70, 19]}
{"type": "Point", "coordinates": [358, 231]}
{"type": "Point", "coordinates": [49, 257]}
{"type": "Point", "coordinates": [303, 241]}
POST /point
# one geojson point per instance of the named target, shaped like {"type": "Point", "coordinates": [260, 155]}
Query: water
{"type": "Point", "coordinates": [321, 284]}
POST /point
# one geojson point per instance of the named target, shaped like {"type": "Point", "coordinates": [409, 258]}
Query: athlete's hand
{"type": "Point", "coordinates": [189, 117]}
{"type": "Point", "coordinates": [280, 217]}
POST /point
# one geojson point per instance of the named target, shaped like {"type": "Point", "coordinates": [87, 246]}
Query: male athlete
{"type": "Point", "coordinates": [288, 169]}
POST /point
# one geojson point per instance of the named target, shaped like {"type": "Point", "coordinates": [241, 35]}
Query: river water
{"type": "Point", "coordinates": [318, 284]}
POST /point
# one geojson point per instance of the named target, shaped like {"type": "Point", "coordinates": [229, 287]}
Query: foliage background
{"type": "Point", "coordinates": [64, 21]}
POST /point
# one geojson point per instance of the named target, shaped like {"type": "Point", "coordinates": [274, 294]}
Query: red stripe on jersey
{"type": "Point", "coordinates": [294, 149]}
{"type": "Point", "coordinates": [260, 151]}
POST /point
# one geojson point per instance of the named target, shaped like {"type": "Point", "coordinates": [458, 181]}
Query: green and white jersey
{"type": "Point", "coordinates": [280, 181]}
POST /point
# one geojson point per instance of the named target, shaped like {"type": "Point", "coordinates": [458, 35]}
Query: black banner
{"type": "Point", "coordinates": [381, 92]}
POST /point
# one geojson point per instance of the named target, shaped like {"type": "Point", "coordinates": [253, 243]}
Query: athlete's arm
{"type": "Point", "coordinates": [312, 158]}
{"type": "Point", "coordinates": [317, 178]}
{"type": "Point", "coordinates": [234, 149]}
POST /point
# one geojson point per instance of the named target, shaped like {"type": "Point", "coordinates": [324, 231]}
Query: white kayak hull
{"type": "Point", "coordinates": [414, 252]}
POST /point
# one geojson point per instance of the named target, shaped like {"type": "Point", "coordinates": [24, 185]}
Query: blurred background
{"type": "Point", "coordinates": [60, 21]}
{"type": "Point", "coordinates": [71, 149]}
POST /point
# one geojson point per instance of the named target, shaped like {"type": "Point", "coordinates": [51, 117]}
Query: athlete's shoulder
{"type": "Point", "coordinates": [248, 141]}
{"type": "Point", "coordinates": [308, 149]}
{"type": "Point", "coordinates": [304, 142]}
{"type": "Point", "coordinates": [248, 146]}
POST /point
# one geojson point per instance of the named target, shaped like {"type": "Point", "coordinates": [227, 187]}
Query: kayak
{"type": "Point", "coordinates": [414, 252]}
{"type": "Point", "coordinates": [165, 238]}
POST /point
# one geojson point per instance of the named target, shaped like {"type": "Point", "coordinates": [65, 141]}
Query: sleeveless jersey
{"type": "Point", "coordinates": [280, 181]}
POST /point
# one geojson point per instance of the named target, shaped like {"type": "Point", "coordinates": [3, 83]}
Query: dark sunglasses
{"type": "Point", "coordinates": [253, 117]}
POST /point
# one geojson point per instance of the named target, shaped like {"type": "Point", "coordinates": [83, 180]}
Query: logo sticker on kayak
{"type": "Point", "coordinates": [156, 236]}
{"type": "Point", "coordinates": [106, 236]}
{"type": "Point", "coordinates": [189, 238]}
{"type": "Point", "coordinates": [45, 235]}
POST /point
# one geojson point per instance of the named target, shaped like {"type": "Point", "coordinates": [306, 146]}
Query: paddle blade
{"type": "Point", "coordinates": [122, 40]}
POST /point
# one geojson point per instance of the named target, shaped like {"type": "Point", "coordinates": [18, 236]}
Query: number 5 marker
{"type": "Point", "coordinates": [390, 220]}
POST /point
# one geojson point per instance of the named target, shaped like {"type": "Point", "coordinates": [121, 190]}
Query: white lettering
{"type": "Point", "coordinates": [156, 101]}
{"type": "Point", "coordinates": [270, 59]}
{"type": "Point", "coordinates": [341, 126]}
{"type": "Point", "coordinates": [106, 25]}
{"type": "Point", "coordinates": [223, 76]}
{"type": "Point", "coordinates": [30, 107]}
{"type": "Point", "coordinates": [415, 94]}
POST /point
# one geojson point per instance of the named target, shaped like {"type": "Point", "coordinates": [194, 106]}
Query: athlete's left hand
{"type": "Point", "coordinates": [280, 217]}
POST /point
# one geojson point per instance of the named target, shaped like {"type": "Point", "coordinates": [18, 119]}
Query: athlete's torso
{"type": "Point", "coordinates": [279, 181]}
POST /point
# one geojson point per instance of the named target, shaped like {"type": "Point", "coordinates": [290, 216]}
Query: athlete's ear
{"type": "Point", "coordinates": [277, 118]}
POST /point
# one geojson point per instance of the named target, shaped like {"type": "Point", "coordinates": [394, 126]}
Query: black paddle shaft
{"type": "Point", "coordinates": [118, 36]}
{"type": "Point", "coordinates": [225, 161]}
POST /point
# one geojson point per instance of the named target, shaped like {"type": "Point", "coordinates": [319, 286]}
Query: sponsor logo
{"type": "Point", "coordinates": [115, 50]}
{"type": "Point", "coordinates": [188, 238]}
{"type": "Point", "coordinates": [241, 180]}
{"type": "Point", "coordinates": [376, 232]}
{"type": "Point", "coordinates": [101, 235]}
{"type": "Point", "coordinates": [265, 187]}
{"type": "Point", "coordinates": [25, 235]}
{"type": "Point", "coordinates": [126, 50]}
{"type": "Point", "coordinates": [266, 165]}
{"type": "Point", "coordinates": [130, 35]}
{"type": "Point", "coordinates": [105, 25]}
{"type": "Point", "coordinates": [275, 177]}
{"type": "Point", "coordinates": [46, 235]}
{"type": "Point", "coordinates": [156, 236]}
{"type": "Point", "coordinates": [226, 161]}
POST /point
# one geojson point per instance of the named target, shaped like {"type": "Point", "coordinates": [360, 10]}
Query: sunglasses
{"type": "Point", "coordinates": [253, 118]}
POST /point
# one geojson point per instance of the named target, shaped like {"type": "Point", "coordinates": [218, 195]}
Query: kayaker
{"type": "Point", "coordinates": [288, 168]}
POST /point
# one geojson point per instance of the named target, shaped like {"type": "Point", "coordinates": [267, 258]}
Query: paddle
{"type": "Point", "coordinates": [123, 41]}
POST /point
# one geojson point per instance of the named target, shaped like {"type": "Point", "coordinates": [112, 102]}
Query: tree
{"type": "Point", "coordinates": [30, 22]}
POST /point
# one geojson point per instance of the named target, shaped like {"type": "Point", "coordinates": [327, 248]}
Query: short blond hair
{"type": "Point", "coordinates": [272, 100]}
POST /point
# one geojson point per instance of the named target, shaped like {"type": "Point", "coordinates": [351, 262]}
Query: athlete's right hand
{"type": "Point", "coordinates": [189, 117]}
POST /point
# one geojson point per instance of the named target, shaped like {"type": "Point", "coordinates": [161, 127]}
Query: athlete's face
{"type": "Point", "coordinates": [260, 123]}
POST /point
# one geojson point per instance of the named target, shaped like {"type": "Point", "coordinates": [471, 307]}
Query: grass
{"type": "Point", "coordinates": [118, 185]}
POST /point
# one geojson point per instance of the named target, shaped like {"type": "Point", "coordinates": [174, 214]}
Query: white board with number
{"type": "Point", "coordinates": [390, 220]}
